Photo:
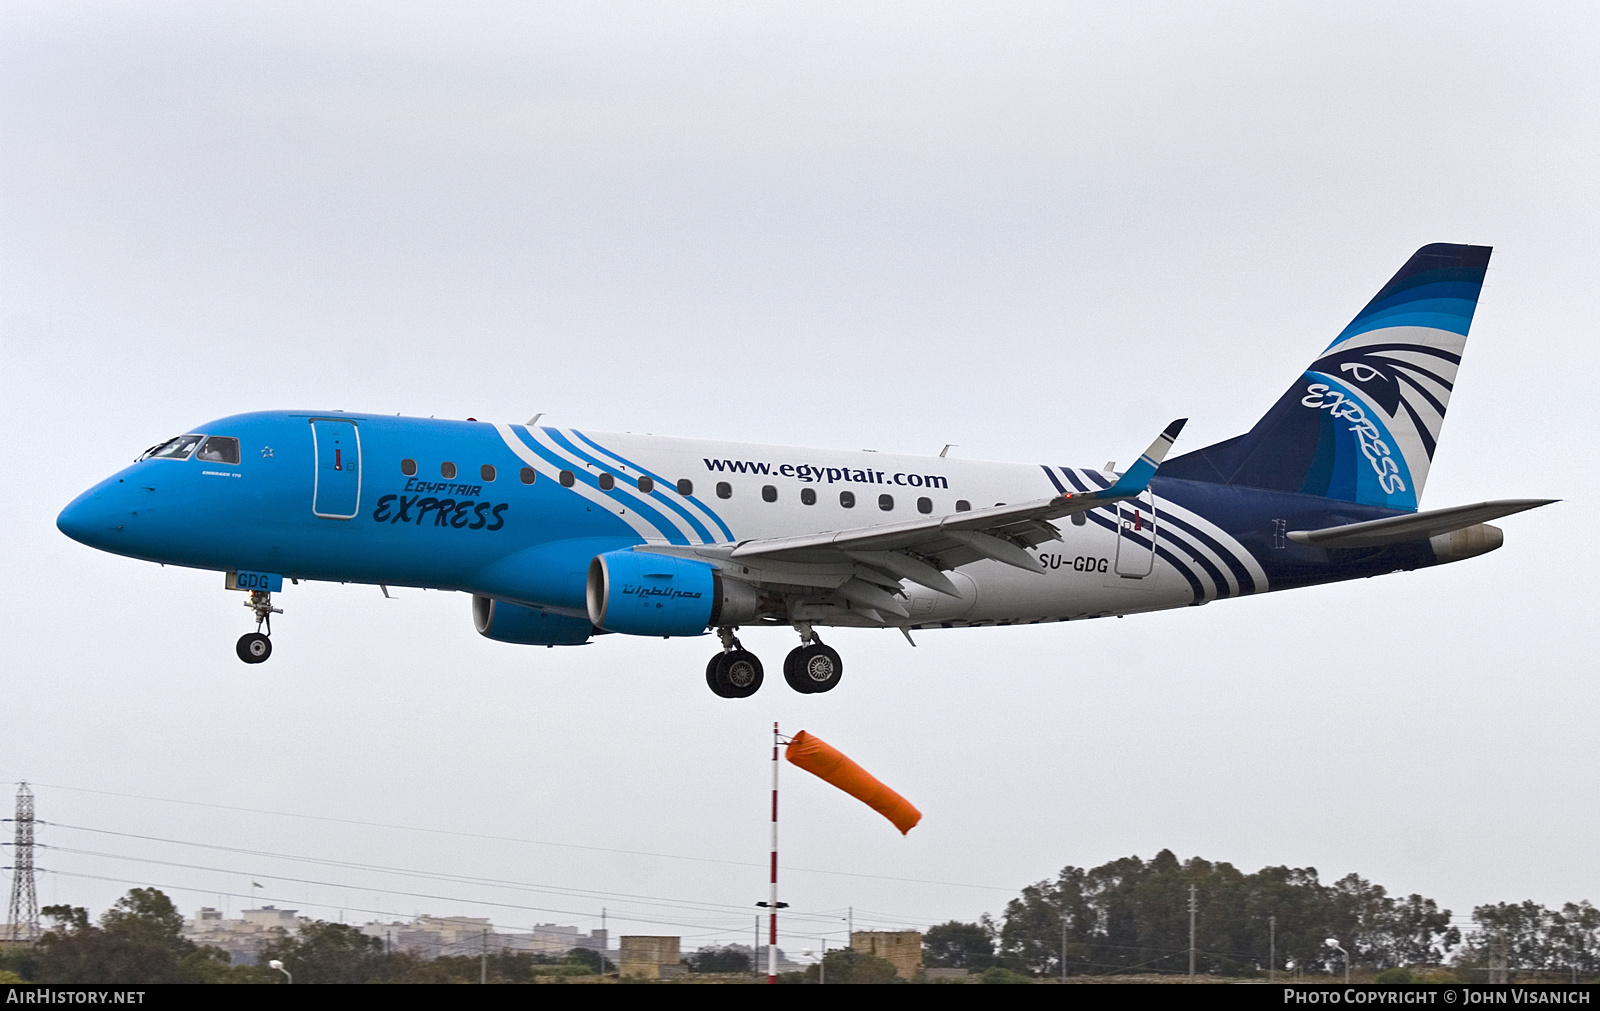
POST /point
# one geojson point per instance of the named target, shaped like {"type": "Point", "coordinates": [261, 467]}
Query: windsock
{"type": "Point", "coordinates": [824, 761]}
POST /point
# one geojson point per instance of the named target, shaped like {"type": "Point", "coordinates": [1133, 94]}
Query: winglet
{"type": "Point", "coordinates": [1137, 478]}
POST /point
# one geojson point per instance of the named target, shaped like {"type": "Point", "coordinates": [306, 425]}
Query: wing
{"type": "Point", "coordinates": [865, 565]}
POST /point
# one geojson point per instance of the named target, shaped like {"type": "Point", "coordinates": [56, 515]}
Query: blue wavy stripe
{"type": "Point", "coordinates": [1241, 574]}
{"type": "Point", "coordinates": [1444, 306]}
{"type": "Point", "coordinates": [1442, 299]}
{"type": "Point", "coordinates": [1424, 288]}
{"type": "Point", "coordinates": [664, 497]}
{"type": "Point", "coordinates": [1431, 318]}
{"type": "Point", "coordinates": [1247, 582]}
{"type": "Point", "coordinates": [1164, 535]}
{"type": "Point", "coordinates": [1195, 588]}
{"type": "Point", "coordinates": [664, 526]}
{"type": "Point", "coordinates": [1077, 485]}
{"type": "Point", "coordinates": [1194, 583]}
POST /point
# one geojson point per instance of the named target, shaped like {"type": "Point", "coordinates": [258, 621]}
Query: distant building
{"type": "Point", "coordinates": [650, 956]}
{"type": "Point", "coordinates": [242, 938]}
{"type": "Point", "coordinates": [439, 936]}
{"type": "Point", "coordinates": [270, 917]}
{"type": "Point", "coordinates": [902, 948]}
{"type": "Point", "coordinates": [425, 936]}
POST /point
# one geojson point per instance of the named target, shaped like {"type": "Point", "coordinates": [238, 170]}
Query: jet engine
{"type": "Point", "coordinates": [503, 622]}
{"type": "Point", "coordinates": [639, 593]}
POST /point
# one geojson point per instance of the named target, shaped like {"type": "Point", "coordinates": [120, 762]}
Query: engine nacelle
{"type": "Point", "coordinates": [639, 593]}
{"type": "Point", "coordinates": [503, 622]}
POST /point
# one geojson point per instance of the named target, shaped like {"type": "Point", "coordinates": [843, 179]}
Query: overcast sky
{"type": "Point", "coordinates": [1037, 231]}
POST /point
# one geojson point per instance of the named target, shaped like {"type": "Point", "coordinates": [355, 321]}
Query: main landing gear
{"type": "Point", "coordinates": [254, 647]}
{"type": "Point", "coordinates": [736, 673]}
{"type": "Point", "coordinates": [812, 667]}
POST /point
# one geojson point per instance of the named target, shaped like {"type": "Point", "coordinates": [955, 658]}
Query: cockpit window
{"type": "Point", "coordinates": [219, 449]}
{"type": "Point", "coordinates": [174, 449]}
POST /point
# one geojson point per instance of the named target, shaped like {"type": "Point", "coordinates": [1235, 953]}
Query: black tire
{"type": "Point", "coordinates": [253, 647]}
{"type": "Point", "coordinates": [738, 674]}
{"type": "Point", "coordinates": [711, 676]}
{"type": "Point", "coordinates": [791, 670]}
{"type": "Point", "coordinates": [818, 668]}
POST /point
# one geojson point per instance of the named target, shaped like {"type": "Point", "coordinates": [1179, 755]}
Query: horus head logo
{"type": "Point", "coordinates": [1413, 378]}
{"type": "Point", "coordinates": [1372, 374]}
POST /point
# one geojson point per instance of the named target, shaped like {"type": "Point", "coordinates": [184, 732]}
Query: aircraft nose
{"type": "Point", "coordinates": [90, 519]}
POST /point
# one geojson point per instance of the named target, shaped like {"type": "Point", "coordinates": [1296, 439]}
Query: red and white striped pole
{"type": "Point", "coordinates": [772, 897]}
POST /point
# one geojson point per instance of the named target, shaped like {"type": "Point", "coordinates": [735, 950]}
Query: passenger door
{"type": "Point", "coordinates": [336, 488]}
{"type": "Point", "coordinates": [1136, 538]}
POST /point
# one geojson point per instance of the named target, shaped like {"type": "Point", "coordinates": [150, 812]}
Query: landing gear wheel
{"type": "Point", "coordinates": [814, 668]}
{"type": "Point", "coordinates": [254, 647]}
{"type": "Point", "coordinates": [711, 674]}
{"type": "Point", "coordinates": [791, 670]}
{"type": "Point", "coordinates": [735, 674]}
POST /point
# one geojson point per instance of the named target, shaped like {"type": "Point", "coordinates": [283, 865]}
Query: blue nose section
{"type": "Point", "coordinates": [92, 519]}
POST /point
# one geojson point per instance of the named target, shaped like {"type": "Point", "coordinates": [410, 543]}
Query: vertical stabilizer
{"type": "Point", "coordinates": [1361, 424]}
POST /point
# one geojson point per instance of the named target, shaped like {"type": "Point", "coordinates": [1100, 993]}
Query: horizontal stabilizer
{"type": "Point", "coordinates": [1413, 527]}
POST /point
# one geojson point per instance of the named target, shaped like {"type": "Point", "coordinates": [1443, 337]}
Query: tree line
{"type": "Point", "coordinates": [1132, 916]}
{"type": "Point", "coordinates": [1126, 916]}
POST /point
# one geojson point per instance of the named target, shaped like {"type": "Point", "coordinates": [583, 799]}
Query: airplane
{"type": "Point", "coordinates": [561, 534]}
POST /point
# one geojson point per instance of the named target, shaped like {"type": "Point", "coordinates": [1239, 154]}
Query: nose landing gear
{"type": "Point", "coordinates": [255, 647]}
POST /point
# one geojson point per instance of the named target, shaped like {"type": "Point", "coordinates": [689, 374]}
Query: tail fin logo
{"type": "Point", "coordinates": [1362, 423]}
{"type": "Point", "coordinates": [1320, 396]}
{"type": "Point", "coordinates": [1360, 372]}
{"type": "Point", "coordinates": [1416, 378]}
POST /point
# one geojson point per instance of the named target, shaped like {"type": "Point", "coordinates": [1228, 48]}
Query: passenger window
{"type": "Point", "coordinates": [808, 496]}
{"type": "Point", "coordinates": [1079, 519]}
{"type": "Point", "coordinates": [607, 482]}
{"type": "Point", "coordinates": [567, 480]}
{"type": "Point", "coordinates": [408, 467]}
{"type": "Point", "coordinates": [885, 502]}
{"type": "Point", "coordinates": [529, 475]}
{"type": "Point", "coordinates": [963, 506]}
{"type": "Point", "coordinates": [447, 470]}
{"type": "Point", "coordinates": [486, 472]}
{"type": "Point", "coordinates": [219, 449]}
{"type": "Point", "coordinates": [173, 449]}
{"type": "Point", "coordinates": [647, 485]}
{"type": "Point", "coordinates": [685, 486]}
{"type": "Point", "coordinates": [924, 505]}
{"type": "Point", "coordinates": [847, 499]}
{"type": "Point", "coordinates": [724, 490]}
{"type": "Point", "coordinates": [769, 493]}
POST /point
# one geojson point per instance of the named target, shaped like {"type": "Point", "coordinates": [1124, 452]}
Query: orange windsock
{"type": "Point", "coordinates": [824, 761]}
